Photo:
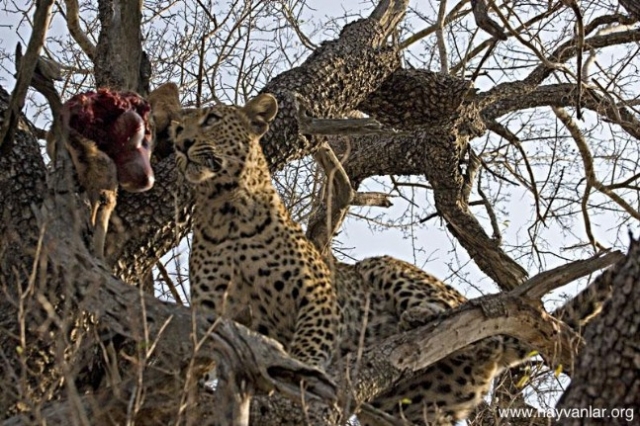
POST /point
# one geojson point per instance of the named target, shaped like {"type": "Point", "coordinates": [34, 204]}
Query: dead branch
{"type": "Point", "coordinates": [41, 19]}
{"type": "Point", "coordinates": [544, 282]}
{"type": "Point", "coordinates": [336, 197]}
{"type": "Point", "coordinates": [73, 23]}
{"type": "Point", "coordinates": [485, 317]}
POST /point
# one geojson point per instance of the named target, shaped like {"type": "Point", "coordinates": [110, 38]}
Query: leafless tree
{"type": "Point", "coordinates": [450, 111]}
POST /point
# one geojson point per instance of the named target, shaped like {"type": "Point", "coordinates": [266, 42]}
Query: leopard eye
{"type": "Point", "coordinates": [178, 129]}
{"type": "Point", "coordinates": [211, 119]}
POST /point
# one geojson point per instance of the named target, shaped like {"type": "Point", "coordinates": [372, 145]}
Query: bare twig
{"type": "Point", "coordinates": [169, 282]}
{"type": "Point", "coordinates": [587, 160]}
{"type": "Point", "coordinates": [512, 138]}
{"type": "Point", "coordinates": [488, 43]}
{"type": "Point", "coordinates": [451, 16]}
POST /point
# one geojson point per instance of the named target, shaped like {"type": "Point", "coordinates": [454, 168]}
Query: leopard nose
{"type": "Point", "coordinates": [186, 144]}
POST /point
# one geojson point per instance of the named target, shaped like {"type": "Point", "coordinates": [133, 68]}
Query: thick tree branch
{"type": "Point", "coordinates": [118, 57]}
{"type": "Point", "coordinates": [511, 90]}
{"type": "Point", "coordinates": [435, 99]}
{"type": "Point", "coordinates": [486, 317]}
{"type": "Point", "coordinates": [543, 283]}
{"type": "Point", "coordinates": [41, 19]}
{"type": "Point", "coordinates": [564, 95]}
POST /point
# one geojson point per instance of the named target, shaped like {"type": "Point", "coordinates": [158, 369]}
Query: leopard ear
{"type": "Point", "coordinates": [165, 105]}
{"type": "Point", "coordinates": [174, 130]}
{"type": "Point", "coordinates": [261, 110]}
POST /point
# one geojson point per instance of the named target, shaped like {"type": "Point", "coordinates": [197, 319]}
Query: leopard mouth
{"type": "Point", "coordinates": [205, 168]}
{"type": "Point", "coordinates": [213, 163]}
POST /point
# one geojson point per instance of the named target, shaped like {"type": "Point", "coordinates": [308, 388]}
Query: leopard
{"type": "Point", "coordinates": [247, 254]}
{"type": "Point", "coordinates": [401, 295]}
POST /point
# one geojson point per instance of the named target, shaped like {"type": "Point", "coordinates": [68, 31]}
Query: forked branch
{"type": "Point", "coordinates": [337, 195]}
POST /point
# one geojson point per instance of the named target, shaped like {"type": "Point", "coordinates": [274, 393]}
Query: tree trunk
{"type": "Point", "coordinates": [605, 387]}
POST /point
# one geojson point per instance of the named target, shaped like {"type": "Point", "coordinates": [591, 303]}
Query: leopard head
{"type": "Point", "coordinates": [217, 142]}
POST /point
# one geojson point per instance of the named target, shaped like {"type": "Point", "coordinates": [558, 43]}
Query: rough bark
{"type": "Point", "coordinates": [607, 371]}
{"type": "Point", "coordinates": [22, 185]}
{"type": "Point", "coordinates": [119, 60]}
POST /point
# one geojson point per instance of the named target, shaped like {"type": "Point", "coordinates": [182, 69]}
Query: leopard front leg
{"type": "Point", "coordinates": [210, 295]}
{"type": "Point", "coordinates": [407, 292]}
{"type": "Point", "coordinates": [315, 337]}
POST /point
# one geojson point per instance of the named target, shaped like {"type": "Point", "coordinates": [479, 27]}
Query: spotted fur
{"type": "Point", "coordinates": [246, 251]}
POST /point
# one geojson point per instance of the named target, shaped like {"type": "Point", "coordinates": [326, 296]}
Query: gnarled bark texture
{"type": "Point", "coordinates": [607, 371]}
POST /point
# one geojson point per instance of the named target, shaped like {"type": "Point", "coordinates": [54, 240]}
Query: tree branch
{"type": "Point", "coordinates": [563, 95]}
{"type": "Point", "coordinates": [609, 362]}
{"type": "Point", "coordinates": [172, 356]}
{"type": "Point", "coordinates": [488, 316]}
{"type": "Point", "coordinates": [73, 23]}
{"type": "Point", "coordinates": [330, 83]}
{"type": "Point", "coordinates": [118, 56]}
{"type": "Point", "coordinates": [544, 282]}
{"type": "Point", "coordinates": [41, 19]}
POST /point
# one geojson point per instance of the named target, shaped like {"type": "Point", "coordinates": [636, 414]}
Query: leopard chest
{"type": "Point", "coordinates": [254, 280]}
